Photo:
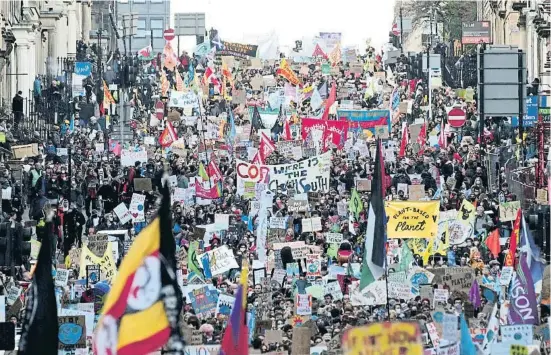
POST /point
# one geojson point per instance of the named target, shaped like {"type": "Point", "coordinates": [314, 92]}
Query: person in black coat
{"type": "Point", "coordinates": [73, 222]}
{"type": "Point", "coordinates": [17, 108]}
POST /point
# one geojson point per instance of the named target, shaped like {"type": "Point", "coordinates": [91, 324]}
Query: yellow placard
{"type": "Point", "coordinates": [410, 219]}
{"type": "Point", "coordinates": [383, 338]}
{"type": "Point", "coordinates": [107, 264]}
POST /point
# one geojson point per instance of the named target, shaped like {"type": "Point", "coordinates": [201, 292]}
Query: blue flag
{"type": "Point", "coordinates": [467, 345]}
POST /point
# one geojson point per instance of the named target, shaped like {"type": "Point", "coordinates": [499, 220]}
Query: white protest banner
{"type": "Point", "coordinates": [225, 304]}
{"type": "Point", "coordinates": [202, 349]}
{"type": "Point", "coordinates": [374, 294]}
{"type": "Point", "coordinates": [221, 221]}
{"type": "Point", "coordinates": [311, 224]}
{"type": "Point", "coordinates": [13, 294]}
{"type": "Point", "coordinates": [61, 277]}
{"type": "Point", "coordinates": [399, 291]}
{"type": "Point", "coordinates": [333, 289]}
{"type": "Point", "coordinates": [88, 318]}
{"type": "Point", "coordinates": [304, 305]}
{"type": "Point", "coordinates": [441, 295]}
{"type": "Point", "coordinates": [137, 208]}
{"type": "Point", "coordinates": [86, 307]}
{"type": "Point", "coordinates": [450, 327]}
{"type": "Point", "coordinates": [186, 100]}
{"type": "Point", "coordinates": [298, 249]}
{"type": "Point", "coordinates": [278, 222]}
{"type": "Point", "coordinates": [130, 157]}
{"type": "Point", "coordinates": [279, 276]}
{"type": "Point", "coordinates": [333, 238]}
{"type": "Point", "coordinates": [506, 276]}
{"type": "Point", "coordinates": [310, 175]}
{"type": "Point", "coordinates": [122, 213]}
{"type": "Point", "coordinates": [221, 260]}
{"type": "Point", "coordinates": [522, 334]}
{"type": "Point", "coordinates": [433, 333]}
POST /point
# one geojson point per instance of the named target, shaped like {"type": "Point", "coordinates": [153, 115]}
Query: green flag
{"type": "Point", "coordinates": [355, 205]}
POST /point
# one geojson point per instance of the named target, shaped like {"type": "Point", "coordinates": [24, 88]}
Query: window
{"type": "Point", "coordinates": [141, 28]}
{"type": "Point", "coordinates": [123, 1]}
{"type": "Point", "coordinates": [139, 1]}
{"type": "Point", "coordinates": [157, 1]}
{"type": "Point", "coordinates": [157, 26]}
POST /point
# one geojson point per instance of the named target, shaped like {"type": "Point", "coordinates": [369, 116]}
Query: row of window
{"type": "Point", "coordinates": [155, 24]}
{"type": "Point", "coordinates": [141, 1]}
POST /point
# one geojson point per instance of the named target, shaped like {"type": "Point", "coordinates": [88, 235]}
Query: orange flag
{"type": "Point", "coordinates": [513, 241]}
{"type": "Point", "coordinates": [288, 73]}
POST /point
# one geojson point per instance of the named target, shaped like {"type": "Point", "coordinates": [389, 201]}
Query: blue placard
{"type": "Point", "coordinates": [530, 113]}
{"type": "Point", "coordinates": [366, 119]}
{"type": "Point", "coordinates": [83, 68]}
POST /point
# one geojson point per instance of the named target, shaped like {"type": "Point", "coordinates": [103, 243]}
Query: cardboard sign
{"type": "Point", "coordinates": [301, 341]}
{"type": "Point", "coordinates": [416, 192]}
{"type": "Point", "coordinates": [23, 151]}
{"type": "Point", "coordinates": [363, 185]}
{"type": "Point", "coordinates": [72, 332]}
{"type": "Point", "coordinates": [403, 107]}
{"type": "Point", "coordinates": [239, 97]}
{"type": "Point", "coordinates": [336, 238]}
{"type": "Point", "coordinates": [356, 68]}
{"type": "Point", "coordinates": [174, 116]}
{"type": "Point", "coordinates": [508, 211]}
{"type": "Point", "coordinates": [541, 196]}
{"type": "Point", "coordinates": [122, 213]}
{"type": "Point", "coordinates": [143, 184]}
{"type": "Point", "coordinates": [61, 277]}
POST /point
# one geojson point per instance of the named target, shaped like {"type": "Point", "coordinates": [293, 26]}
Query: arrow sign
{"type": "Point", "coordinates": [457, 117]}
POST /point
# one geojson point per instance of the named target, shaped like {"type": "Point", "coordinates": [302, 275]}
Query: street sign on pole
{"type": "Point", "coordinates": [395, 29]}
{"type": "Point", "coordinates": [457, 117]}
{"type": "Point", "coordinates": [168, 34]}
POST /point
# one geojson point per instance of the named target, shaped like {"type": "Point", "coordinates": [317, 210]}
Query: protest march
{"type": "Point", "coordinates": [318, 200]}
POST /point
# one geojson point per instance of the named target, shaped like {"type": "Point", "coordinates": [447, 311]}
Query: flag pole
{"type": "Point", "coordinates": [386, 284]}
{"type": "Point", "coordinates": [202, 135]}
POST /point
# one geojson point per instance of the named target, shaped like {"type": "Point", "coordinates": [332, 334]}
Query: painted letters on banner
{"type": "Point", "coordinates": [311, 175]}
{"type": "Point", "coordinates": [387, 338]}
{"type": "Point", "coordinates": [130, 157]}
{"type": "Point", "coordinates": [238, 49]}
{"type": "Point", "coordinates": [410, 219]}
{"type": "Point", "coordinates": [221, 260]}
{"type": "Point", "coordinates": [337, 129]}
{"type": "Point", "coordinates": [183, 99]}
{"type": "Point", "coordinates": [524, 307]}
{"type": "Point", "coordinates": [366, 119]}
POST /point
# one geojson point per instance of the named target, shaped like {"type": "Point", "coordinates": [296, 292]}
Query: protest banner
{"type": "Point", "coordinates": [508, 211]}
{"type": "Point", "coordinates": [238, 49]}
{"type": "Point", "coordinates": [441, 295]}
{"type": "Point", "coordinates": [72, 332]}
{"type": "Point", "coordinates": [221, 260]}
{"type": "Point", "coordinates": [183, 99]}
{"type": "Point", "coordinates": [304, 304]}
{"type": "Point", "coordinates": [409, 219]}
{"type": "Point", "coordinates": [506, 275]}
{"type": "Point", "coordinates": [450, 325]}
{"type": "Point", "coordinates": [363, 185]}
{"type": "Point", "coordinates": [311, 224]}
{"type": "Point", "coordinates": [297, 206]}
{"type": "Point", "coordinates": [278, 222]}
{"type": "Point", "coordinates": [122, 212]}
{"type": "Point", "coordinates": [522, 334]}
{"type": "Point", "coordinates": [61, 277]}
{"type": "Point", "coordinates": [203, 300]}
{"type": "Point", "coordinates": [333, 238]}
{"type": "Point", "coordinates": [334, 131]}
{"type": "Point", "coordinates": [313, 266]}
{"type": "Point", "coordinates": [400, 291]}
{"type": "Point", "coordinates": [225, 304]}
{"type": "Point", "coordinates": [333, 289]}
{"type": "Point", "coordinates": [131, 157]}
{"type": "Point", "coordinates": [202, 349]}
{"type": "Point", "coordinates": [301, 341]}
{"type": "Point", "coordinates": [143, 184]}
{"type": "Point", "coordinates": [137, 208]}
{"type": "Point", "coordinates": [310, 175]}
{"type": "Point", "coordinates": [383, 338]}
{"type": "Point", "coordinates": [13, 294]}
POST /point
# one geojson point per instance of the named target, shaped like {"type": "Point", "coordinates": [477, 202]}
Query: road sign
{"type": "Point", "coordinates": [457, 117]}
{"type": "Point", "coordinates": [159, 110]}
{"type": "Point", "coordinates": [168, 34]}
{"type": "Point", "coordinates": [395, 29]}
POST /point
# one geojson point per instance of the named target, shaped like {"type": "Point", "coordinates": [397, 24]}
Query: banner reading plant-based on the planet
{"type": "Point", "coordinates": [310, 175]}
{"type": "Point", "coordinates": [410, 219]}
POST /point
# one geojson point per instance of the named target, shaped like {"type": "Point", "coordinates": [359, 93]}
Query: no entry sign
{"type": "Point", "coordinates": [457, 117]}
{"type": "Point", "coordinates": [168, 34]}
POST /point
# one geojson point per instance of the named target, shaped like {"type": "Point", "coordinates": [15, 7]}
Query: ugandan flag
{"type": "Point", "coordinates": [141, 312]}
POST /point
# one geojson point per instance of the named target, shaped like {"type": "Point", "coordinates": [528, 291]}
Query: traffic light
{"type": "Point", "coordinates": [15, 245]}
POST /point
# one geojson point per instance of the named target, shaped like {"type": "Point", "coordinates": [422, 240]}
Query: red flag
{"type": "Point", "coordinates": [422, 138]}
{"type": "Point", "coordinates": [318, 52]}
{"type": "Point", "coordinates": [330, 101]}
{"type": "Point", "coordinates": [287, 129]}
{"type": "Point", "coordinates": [265, 147]}
{"type": "Point", "coordinates": [213, 171]}
{"type": "Point", "coordinates": [405, 141]}
{"type": "Point", "coordinates": [206, 76]}
{"type": "Point", "coordinates": [510, 258]}
{"type": "Point", "coordinates": [168, 136]}
{"type": "Point", "coordinates": [492, 242]}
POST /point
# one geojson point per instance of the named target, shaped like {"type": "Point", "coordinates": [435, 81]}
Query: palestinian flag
{"type": "Point", "coordinates": [375, 237]}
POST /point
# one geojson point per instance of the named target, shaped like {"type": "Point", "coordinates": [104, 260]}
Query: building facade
{"type": "Point", "coordinates": [153, 17]}
{"type": "Point", "coordinates": [38, 38]}
{"type": "Point", "coordinates": [523, 23]}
